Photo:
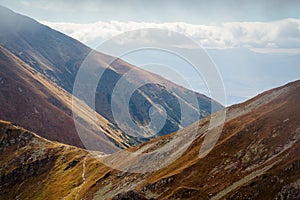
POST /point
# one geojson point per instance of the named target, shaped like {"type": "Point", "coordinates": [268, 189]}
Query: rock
{"type": "Point", "coordinates": [130, 195]}
{"type": "Point", "coordinates": [71, 164]}
{"type": "Point", "coordinates": [26, 136]}
{"type": "Point", "coordinates": [288, 192]}
{"type": "Point", "coordinates": [12, 141]}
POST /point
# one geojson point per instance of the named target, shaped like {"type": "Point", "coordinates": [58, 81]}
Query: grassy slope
{"type": "Point", "coordinates": [36, 168]}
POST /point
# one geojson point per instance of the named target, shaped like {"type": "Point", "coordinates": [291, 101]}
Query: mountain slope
{"type": "Point", "coordinates": [256, 157]}
{"type": "Point", "coordinates": [31, 100]}
{"type": "Point", "coordinates": [36, 168]}
{"type": "Point", "coordinates": [58, 57]}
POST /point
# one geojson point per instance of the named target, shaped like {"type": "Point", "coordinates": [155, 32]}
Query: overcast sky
{"type": "Point", "coordinates": [189, 11]}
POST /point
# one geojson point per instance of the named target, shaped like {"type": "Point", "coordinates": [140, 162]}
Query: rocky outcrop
{"type": "Point", "coordinates": [130, 195]}
{"type": "Point", "coordinates": [289, 192]}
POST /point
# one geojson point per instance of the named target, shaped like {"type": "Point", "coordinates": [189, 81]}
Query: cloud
{"type": "Point", "coordinates": [283, 34]}
{"type": "Point", "coordinates": [191, 11]}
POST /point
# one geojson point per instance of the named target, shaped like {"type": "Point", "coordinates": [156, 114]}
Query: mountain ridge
{"type": "Point", "coordinates": [59, 57]}
{"type": "Point", "coordinates": [255, 158]}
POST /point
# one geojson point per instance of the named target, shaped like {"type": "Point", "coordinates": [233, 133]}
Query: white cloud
{"type": "Point", "coordinates": [283, 34]}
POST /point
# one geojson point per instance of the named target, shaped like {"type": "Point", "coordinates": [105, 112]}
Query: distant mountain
{"type": "Point", "coordinates": [256, 157]}
{"type": "Point", "coordinates": [58, 57]}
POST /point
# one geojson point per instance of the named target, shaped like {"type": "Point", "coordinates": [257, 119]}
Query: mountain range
{"type": "Point", "coordinates": [42, 155]}
{"type": "Point", "coordinates": [256, 157]}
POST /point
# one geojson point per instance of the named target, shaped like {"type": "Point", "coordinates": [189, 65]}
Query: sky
{"type": "Point", "coordinates": [189, 11]}
{"type": "Point", "coordinates": [255, 44]}
{"type": "Point", "coordinates": [264, 26]}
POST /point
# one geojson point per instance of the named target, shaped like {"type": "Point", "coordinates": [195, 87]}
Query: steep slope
{"type": "Point", "coordinates": [256, 157]}
{"type": "Point", "coordinates": [32, 101]}
{"type": "Point", "coordinates": [58, 57]}
{"type": "Point", "coordinates": [35, 168]}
